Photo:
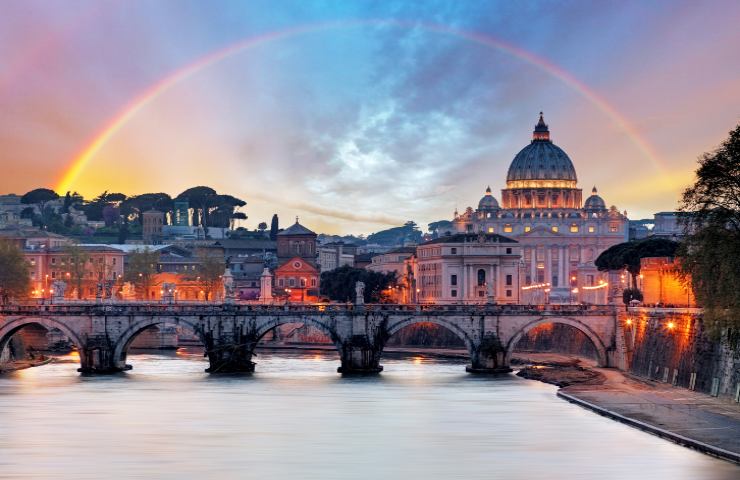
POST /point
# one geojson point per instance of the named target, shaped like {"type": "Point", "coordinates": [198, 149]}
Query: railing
{"type": "Point", "coordinates": [132, 308]}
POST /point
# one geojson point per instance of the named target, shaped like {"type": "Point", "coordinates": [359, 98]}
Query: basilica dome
{"type": "Point", "coordinates": [488, 202]}
{"type": "Point", "coordinates": [541, 163]}
{"type": "Point", "coordinates": [594, 202]}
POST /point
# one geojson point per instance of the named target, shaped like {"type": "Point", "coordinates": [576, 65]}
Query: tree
{"type": "Point", "coordinates": [140, 270]}
{"type": "Point", "coordinates": [199, 199]}
{"type": "Point", "coordinates": [210, 273]}
{"type": "Point", "coordinates": [408, 233]}
{"type": "Point", "coordinates": [274, 227]}
{"type": "Point", "coordinates": [709, 256]}
{"type": "Point", "coordinates": [133, 207]}
{"type": "Point", "coordinates": [339, 284]}
{"type": "Point", "coordinates": [627, 255]}
{"type": "Point", "coordinates": [262, 226]}
{"type": "Point", "coordinates": [40, 197]}
{"type": "Point", "coordinates": [14, 274]}
{"type": "Point", "coordinates": [74, 266]}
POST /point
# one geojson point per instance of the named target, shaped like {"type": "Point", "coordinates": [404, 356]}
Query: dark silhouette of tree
{"type": "Point", "coordinates": [200, 199]}
{"type": "Point", "coordinates": [709, 256]}
{"type": "Point", "coordinates": [627, 255]}
{"type": "Point", "coordinates": [274, 227]}
{"type": "Point", "coordinates": [408, 233]}
{"type": "Point", "coordinates": [40, 197]}
{"type": "Point", "coordinates": [74, 267]}
{"type": "Point", "coordinates": [133, 207]}
{"type": "Point", "coordinates": [339, 284]}
{"type": "Point", "coordinates": [14, 274]}
{"type": "Point", "coordinates": [262, 226]}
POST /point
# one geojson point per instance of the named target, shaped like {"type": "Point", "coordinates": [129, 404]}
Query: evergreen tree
{"type": "Point", "coordinates": [274, 227]}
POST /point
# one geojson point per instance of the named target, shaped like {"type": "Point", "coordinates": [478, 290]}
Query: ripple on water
{"type": "Point", "coordinates": [295, 417]}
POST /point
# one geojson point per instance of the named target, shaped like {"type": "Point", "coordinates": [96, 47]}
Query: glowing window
{"type": "Point", "coordinates": [613, 228]}
{"type": "Point", "coordinates": [574, 229]}
{"type": "Point", "coordinates": [507, 228]}
{"type": "Point", "coordinates": [527, 229]}
{"type": "Point", "coordinates": [490, 229]}
{"type": "Point", "coordinates": [554, 229]}
{"type": "Point", "coordinates": [591, 229]}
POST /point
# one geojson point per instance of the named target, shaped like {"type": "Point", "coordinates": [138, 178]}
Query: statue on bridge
{"type": "Point", "coordinates": [59, 289]}
{"type": "Point", "coordinates": [228, 282]}
{"type": "Point", "coordinates": [360, 293]}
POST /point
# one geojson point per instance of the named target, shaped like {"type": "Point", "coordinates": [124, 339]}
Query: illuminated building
{"type": "Point", "coordinates": [560, 235]}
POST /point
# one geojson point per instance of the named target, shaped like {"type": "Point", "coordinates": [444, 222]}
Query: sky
{"type": "Point", "coordinates": [357, 116]}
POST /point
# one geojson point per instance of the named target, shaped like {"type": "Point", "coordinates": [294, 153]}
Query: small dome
{"type": "Point", "coordinates": [594, 202]}
{"type": "Point", "coordinates": [541, 159]}
{"type": "Point", "coordinates": [488, 202]}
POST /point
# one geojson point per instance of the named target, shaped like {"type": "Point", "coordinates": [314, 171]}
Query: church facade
{"type": "Point", "coordinates": [560, 235]}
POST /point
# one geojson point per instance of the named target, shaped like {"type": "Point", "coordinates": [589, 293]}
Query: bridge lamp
{"type": "Point", "coordinates": [671, 325]}
{"type": "Point", "coordinates": [575, 290]}
{"type": "Point", "coordinates": [628, 321]}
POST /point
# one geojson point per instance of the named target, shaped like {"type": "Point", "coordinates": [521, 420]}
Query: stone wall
{"type": "Point", "coordinates": [673, 347]}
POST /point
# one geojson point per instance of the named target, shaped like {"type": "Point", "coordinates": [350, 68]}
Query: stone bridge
{"type": "Point", "coordinates": [103, 333]}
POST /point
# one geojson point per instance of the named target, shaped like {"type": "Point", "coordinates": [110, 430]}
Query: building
{"type": "Point", "coordinates": [152, 223]}
{"type": "Point", "coordinates": [296, 241]}
{"type": "Point", "coordinates": [661, 285]}
{"type": "Point", "coordinates": [663, 224]}
{"type": "Point", "coordinates": [542, 209]}
{"type": "Point", "coordinates": [297, 280]}
{"type": "Point", "coordinates": [11, 209]}
{"type": "Point", "coordinates": [336, 254]}
{"type": "Point", "coordinates": [103, 268]}
{"type": "Point", "coordinates": [468, 268]}
{"type": "Point", "coordinates": [391, 261]}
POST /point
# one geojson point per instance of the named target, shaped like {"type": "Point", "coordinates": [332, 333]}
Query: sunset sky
{"type": "Point", "coordinates": [357, 116]}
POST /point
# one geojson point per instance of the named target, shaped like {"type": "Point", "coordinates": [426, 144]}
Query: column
{"type": "Point", "coordinates": [548, 264]}
{"type": "Point", "coordinates": [562, 275]}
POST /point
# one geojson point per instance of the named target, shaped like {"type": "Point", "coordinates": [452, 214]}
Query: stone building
{"type": "Point", "coordinates": [542, 208]}
{"type": "Point", "coordinates": [336, 254]}
{"type": "Point", "coordinates": [661, 285]}
{"type": "Point", "coordinates": [468, 268]}
{"type": "Point", "coordinates": [152, 223]}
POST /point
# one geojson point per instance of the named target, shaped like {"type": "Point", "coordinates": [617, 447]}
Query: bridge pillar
{"type": "Point", "coordinates": [489, 356]}
{"type": "Point", "coordinates": [360, 356]}
{"type": "Point", "coordinates": [230, 353]}
{"type": "Point", "coordinates": [98, 356]}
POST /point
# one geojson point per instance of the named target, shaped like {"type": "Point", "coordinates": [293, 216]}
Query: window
{"type": "Point", "coordinates": [453, 280]}
{"type": "Point", "coordinates": [508, 250]}
{"type": "Point", "coordinates": [481, 293]}
{"type": "Point", "coordinates": [281, 283]}
{"type": "Point", "coordinates": [574, 228]}
{"type": "Point", "coordinates": [590, 279]}
{"type": "Point", "coordinates": [508, 293]}
{"type": "Point", "coordinates": [490, 229]}
{"type": "Point", "coordinates": [527, 229]}
{"type": "Point", "coordinates": [591, 229]}
{"type": "Point", "coordinates": [481, 277]}
{"type": "Point", "coordinates": [554, 280]}
{"type": "Point", "coordinates": [453, 293]}
{"type": "Point", "coordinates": [555, 228]}
{"type": "Point", "coordinates": [291, 282]}
{"type": "Point", "coordinates": [509, 280]}
{"type": "Point", "coordinates": [453, 251]}
{"type": "Point", "coordinates": [303, 282]}
{"type": "Point", "coordinates": [313, 282]}
{"type": "Point", "coordinates": [613, 228]}
{"type": "Point", "coordinates": [508, 228]}
{"type": "Point", "coordinates": [53, 260]}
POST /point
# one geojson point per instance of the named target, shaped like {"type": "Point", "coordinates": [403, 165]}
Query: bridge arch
{"type": "Point", "coordinates": [129, 335]}
{"type": "Point", "coordinates": [264, 327]}
{"type": "Point", "coordinates": [398, 325]}
{"type": "Point", "coordinates": [14, 326]}
{"type": "Point", "coordinates": [577, 324]}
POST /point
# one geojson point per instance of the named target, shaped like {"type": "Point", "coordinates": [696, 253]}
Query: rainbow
{"type": "Point", "coordinates": [83, 158]}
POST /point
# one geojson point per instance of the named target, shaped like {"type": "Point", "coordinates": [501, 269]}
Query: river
{"type": "Point", "coordinates": [296, 418]}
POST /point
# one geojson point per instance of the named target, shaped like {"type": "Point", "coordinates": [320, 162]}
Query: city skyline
{"type": "Point", "coordinates": [358, 116]}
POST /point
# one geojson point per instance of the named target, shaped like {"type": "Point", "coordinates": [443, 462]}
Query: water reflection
{"type": "Point", "coordinates": [295, 417]}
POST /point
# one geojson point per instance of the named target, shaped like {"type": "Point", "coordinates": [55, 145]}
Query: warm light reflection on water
{"type": "Point", "coordinates": [296, 418]}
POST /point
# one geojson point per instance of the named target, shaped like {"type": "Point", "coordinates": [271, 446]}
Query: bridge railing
{"type": "Point", "coordinates": [129, 308]}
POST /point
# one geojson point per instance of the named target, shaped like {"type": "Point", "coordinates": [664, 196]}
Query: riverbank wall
{"type": "Point", "coordinates": [672, 346]}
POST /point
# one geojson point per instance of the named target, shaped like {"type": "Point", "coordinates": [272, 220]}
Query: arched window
{"type": "Point", "coordinates": [481, 277]}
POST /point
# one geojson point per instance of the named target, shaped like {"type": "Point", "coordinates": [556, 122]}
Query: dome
{"type": "Point", "coordinates": [488, 202]}
{"type": "Point", "coordinates": [542, 160]}
{"type": "Point", "coordinates": [594, 202]}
